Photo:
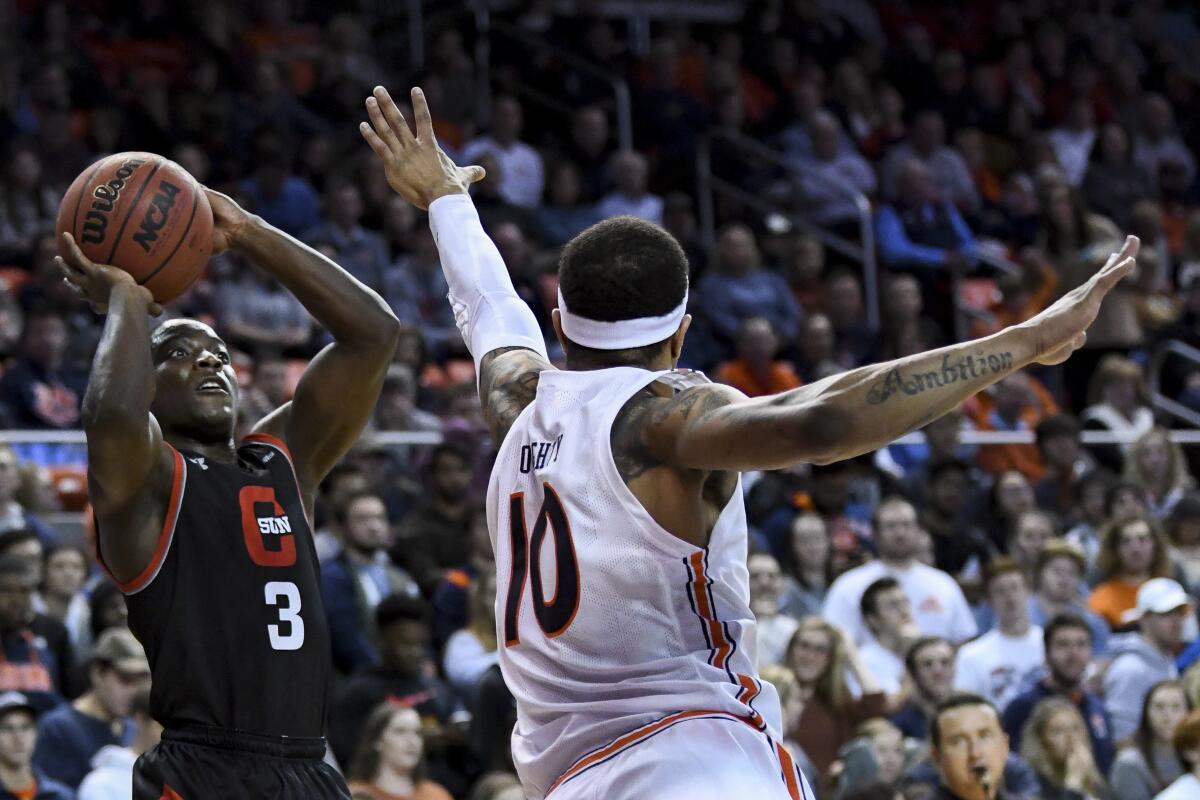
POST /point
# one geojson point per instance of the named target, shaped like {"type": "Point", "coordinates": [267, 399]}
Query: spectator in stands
{"type": "Point", "coordinates": [403, 677]}
{"type": "Point", "coordinates": [274, 192]}
{"type": "Point", "coordinates": [1142, 658]}
{"type": "Point", "coordinates": [1114, 182]}
{"type": "Point", "coordinates": [64, 571]}
{"type": "Point", "coordinates": [451, 599]}
{"type": "Point", "coordinates": [270, 388]}
{"type": "Point", "coordinates": [497, 786]}
{"type": "Point", "coordinates": [888, 615]}
{"type": "Point", "coordinates": [774, 629]}
{"type": "Point", "coordinates": [267, 102]}
{"type": "Point", "coordinates": [1147, 762]}
{"type": "Point", "coordinates": [470, 651]}
{"type": "Point", "coordinates": [13, 515]}
{"type": "Point", "coordinates": [756, 371]}
{"type": "Point", "coordinates": [1158, 141]}
{"type": "Point", "coordinates": [354, 583]}
{"type": "Point", "coordinates": [1030, 532]}
{"type": "Point", "coordinates": [905, 328]}
{"type": "Point", "coordinates": [1131, 553]}
{"type": "Point", "coordinates": [39, 390]}
{"type": "Point", "coordinates": [27, 205]}
{"type": "Point", "coordinates": [960, 547]}
{"type": "Point", "coordinates": [106, 609]}
{"type": "Point", "coordinates": [816, 347]}
{"type": "Point", "coordinates": [829, 178]}
{"type": "Point", "coordinates": [1017, 403]}
{"type": "Point", "coordinates": [389, 761]}
{"type": "Point", "coordinates": [1065, 461]}
{"type": "Point", "coordinates": [1068, 653]}
{"type": "Point", "coordinates": [520, 164]}
{"type": "Point", "coordinates": [918, 230]}
{"type": "Point", "coordinates": [1072, 141]}
{"type": "Point", "coordinates": [968, 746]}
{"type": "Point", "coordinates": [19, 778]}
{"type": "Point", "coordinates": [938, 603]}
{"type": "Point", "coordinates": [1156, 465]}
{"type": "Point", "coordinates": [397, 407]}
{"type": "Point", "coordinates": [433, 537]}
{"type": "Point", "coordinates": [71, 734]}
{"type": "Point", "coordinates": [36, 657]}
{"type": "Point", "coordinates": [995, 664]}
{"type": "Point", "coordinates": [844, 306]}
{"type": "Point", "coordinates": [821, 657]}
{"type": "Point", "coordinates": [630, 174]}
{"type": "Point", "coordinates": [949, 178]}
{"type": "Point", "coordinates": [1187, 744]}
{"type": "Point", "coordinates": [929, 679]}
{"type": "Point", "coordinates": [809, 561]}
{"type": "Point", "coordinates": [590, 148]}
{"type": "Point", "coordinates": [254, 312]}
{"type": "Point", "coordinates": [564, 214]}
{"type": "Point", "coordinates": [360, 252]}
{"type": "Point", "coordinates": [415, 289]}
{"type": "Point", "coordinates": [739, 287]}
{"type": "Point", "coordinates": [1118, 402]}
{"type": "Point", "coordinates": [112, 775]}
{"type": "Point", "coordinates": [1056, 745]}
{"type": "Point", "coordinates": [1183, 532]}
{"type": "Point", "coordinates": [1059, 573]}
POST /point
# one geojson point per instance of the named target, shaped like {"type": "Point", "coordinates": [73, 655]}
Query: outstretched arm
{"type": "Point", "coordinates": [497, 326]}
{"type": "Point", "coordinates": [339, 388]}
{"type": "Point", "coordinates": [842, 416]}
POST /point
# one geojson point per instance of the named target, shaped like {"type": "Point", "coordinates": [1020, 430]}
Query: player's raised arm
{"type": "Point", "coordinates": [498, 327]}
{"type": "Point", "coordinates": [842, 416]}
{"type": "Point", "coordinates": [125, 444]}
{"type": "Point", "coordinates": [339, 388]}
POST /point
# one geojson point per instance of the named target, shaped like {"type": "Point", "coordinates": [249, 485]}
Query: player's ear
{"type": "Point", "coordinates": [678, 337]}
{"type": "Point", "coordinates": [556, 321]}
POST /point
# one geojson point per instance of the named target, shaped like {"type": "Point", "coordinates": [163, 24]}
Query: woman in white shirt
{"type": "Point", "coordinates": [471, 650]}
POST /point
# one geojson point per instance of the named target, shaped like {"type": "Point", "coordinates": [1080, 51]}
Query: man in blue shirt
{"type": "Point", "coordinates": [919, 232]}
{"type": "Point", "coordinates": [71, 734]}
{"type": "Point", "coordinates": [1068, 640]}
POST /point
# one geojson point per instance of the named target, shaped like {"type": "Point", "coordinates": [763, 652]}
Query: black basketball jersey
{"type": "Point", "coordinates": [229, 609]}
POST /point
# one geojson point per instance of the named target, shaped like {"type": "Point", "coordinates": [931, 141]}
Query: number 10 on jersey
{"type": "Point", "coordinates": [554, 614]}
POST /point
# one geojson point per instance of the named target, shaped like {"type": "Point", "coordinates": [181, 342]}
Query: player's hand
{"type": "Point", "coordinates": [229, 220]}
{"type": "Point", "coordinates": [1062, 328]}
{"type": "Point", "coordinates": [415, 166]}
{"type": "Point", "coordinates": [96, 282]}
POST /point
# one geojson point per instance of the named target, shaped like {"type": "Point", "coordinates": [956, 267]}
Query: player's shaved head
{"type": "Point", "coordinates": [179, 327]}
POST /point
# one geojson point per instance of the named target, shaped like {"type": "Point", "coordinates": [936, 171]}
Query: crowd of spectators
{"type": "Point", "coordinates": [1005, 148]}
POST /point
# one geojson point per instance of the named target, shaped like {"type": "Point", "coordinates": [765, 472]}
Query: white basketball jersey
{"type": "Point", "coordinates": [607, 622]}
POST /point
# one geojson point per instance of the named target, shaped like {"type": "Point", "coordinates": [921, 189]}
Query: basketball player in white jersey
{"type": "Point", "coordinates": [615, 507]}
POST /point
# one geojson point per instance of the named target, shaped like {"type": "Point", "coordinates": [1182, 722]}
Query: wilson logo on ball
{"type": "Point", "coordinates": [156, 215]}
{"type": "Point", "coordinates": [95, 225]}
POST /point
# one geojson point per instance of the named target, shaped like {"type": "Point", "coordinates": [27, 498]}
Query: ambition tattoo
{"type": "Point", "coordinates": [914, 383]}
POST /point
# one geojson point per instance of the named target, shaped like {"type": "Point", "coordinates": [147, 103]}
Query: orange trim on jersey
{"type": "Point", "coordinates": [788, 768]}
{"type": "Point", "coordinates": [716, 631]}
{"type": "Point", "coordinates": [632, 738]}
{"type": "Point", "coordinates": [170, 794]}
{"type": "Point", "coordinates": [164, 537]}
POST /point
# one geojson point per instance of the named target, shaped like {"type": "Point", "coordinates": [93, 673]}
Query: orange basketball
{"type": "Point", "coordinates": [144, 214]}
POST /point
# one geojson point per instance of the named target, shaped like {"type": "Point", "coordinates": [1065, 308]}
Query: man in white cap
{"type": "Point", "coordinates": [1143, 658]}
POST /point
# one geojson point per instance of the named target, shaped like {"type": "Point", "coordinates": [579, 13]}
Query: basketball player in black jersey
{"type": "Point", "coordinates": [210, 539]}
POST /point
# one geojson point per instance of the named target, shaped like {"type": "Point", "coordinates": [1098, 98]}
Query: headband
{"type": "Point", "coordinates": [622, 334]}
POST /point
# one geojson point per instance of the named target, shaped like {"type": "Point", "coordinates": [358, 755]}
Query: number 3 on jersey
{"type": "Point", "coordinates": [286, 598]}
{"type": "Point", "coordinates": [554, 615]}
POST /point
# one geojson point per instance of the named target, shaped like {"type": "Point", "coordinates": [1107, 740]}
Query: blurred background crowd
{"type": "Point", "coordinates": [852, 181]}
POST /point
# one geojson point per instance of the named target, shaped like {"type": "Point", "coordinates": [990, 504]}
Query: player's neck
{"type": "Point", "coordinates": [223, 452]}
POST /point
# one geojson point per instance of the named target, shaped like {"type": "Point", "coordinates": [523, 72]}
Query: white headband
{"type": "Point", "coordinates": [620, 335]}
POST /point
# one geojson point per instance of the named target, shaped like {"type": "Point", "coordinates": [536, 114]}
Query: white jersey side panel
{"type": "Point", "coordinates": [650, 626]}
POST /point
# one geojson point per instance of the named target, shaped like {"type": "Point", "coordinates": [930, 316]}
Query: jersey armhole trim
{"type": "Point", "coordinates": [151, 570]}
{"type": "Point", "coordinates": [281, 446]}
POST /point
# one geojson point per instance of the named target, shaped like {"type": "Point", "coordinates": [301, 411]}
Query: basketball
{"type": "Point", "coordinates": [144, 214]}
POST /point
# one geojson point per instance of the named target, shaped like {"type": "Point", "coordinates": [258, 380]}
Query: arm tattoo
{"type": "Point", "coordinates": [969, 367]}
{"type": "Point", "coordinates": [506, 388]}
{"type": "Point", "coordinates": [645, 412]}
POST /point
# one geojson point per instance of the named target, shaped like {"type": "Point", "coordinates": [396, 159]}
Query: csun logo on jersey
{"type": "Point", "coordinates": [269, 525]}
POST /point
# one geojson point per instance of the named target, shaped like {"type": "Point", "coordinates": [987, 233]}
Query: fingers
{"type": "Point", "coordinates": [475, 174]}
{"type": "Point", "coordinates": [1112, 275]}
{"type": "Point", "coordinates": [74, 257]}
{"type": "Point", "coordinates": [373, 139]}
{"type": "Point", "coordinates": [391, 113]}
{"type": "Point", "coordinates": [382, 129]}
{"type": "Point", "coordinates": [421, 116]}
